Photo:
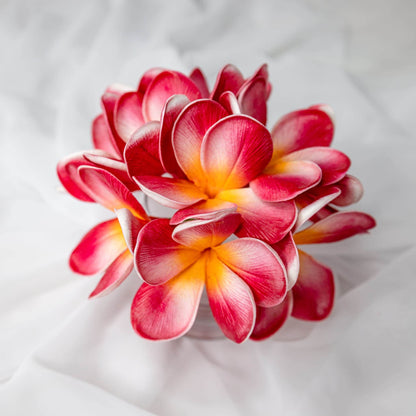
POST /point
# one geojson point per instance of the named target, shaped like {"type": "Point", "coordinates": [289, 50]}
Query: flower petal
{"type": "Point", "coordinates": [147, 78]}
{"type": "Point", "coordinates": [287, 251]}
{"type": "Point", "coordinates": [128, 115]}
{"type": "Point", "coordinates": [202, 234]}
{"type": "Point", "coordinates": [333, 163]}
{"type": "Point", "coordinates": [230, 299]}
{"type": "Point", "coordinates": [142, 151]}
{"type": "Point", "coordinates": [259, 266]}
{"type": "Point", "coordinates": [263, 72]}
{"type": "Point", "coordinates": [198, 78]}
{"type": "Point", "coordinates": [351, 191]}
{"type": "Point", "coordinates": [98, 248]}
{"type": "Point", "coordinates": [106, 161]}
{"type": "Point", "coordinates": [102, 137]}
{"type": "Point", "coordinates": [301, 129]}
{"type": "Point", "coordinates": [157, 257]}
{"type": "Point", "coordinates": [336, 227]}
{"type": "Point", "coordinates": [168, 311]}
{"type": "Point", "coordinates": [67, 171]}
{"type": "Point", "coordinates": [130, 227]}
{"type": "Point", "coordinates": [171, 192]}
{"type": "Point", "coordinates": [163, 86]}
{"type": "Point", "coordinates": [313, 202]}
{"type": "Point", "coordinates": [203, 210]}
{"type": "Point", "coordinates": [252, 98]}
{"type": "Point", "coordinates": [188, 133]}
{"type": "Point", "coordinates": [314, 292]}
{"type": "Point", "coordinates": [228, 79]}
{"type": "Point", "coordinates": [108, 191]}
{"type": "Point", "coordinates": [229, 101]}
{"type": "Point", "coordinates": [268, 221]}
{"type": "Point", "coordinates": [108, 103]}
{"type": "Point", "coordinates": [270, 320]}
{"type": "Point", "coordinates": [173, 107]}
{"type": "Point", "coordinates": [234, 151]}
{"type": "Point", "coordinates": [286, 180]}
{"type": "Point", "coordinates": [116, 273]}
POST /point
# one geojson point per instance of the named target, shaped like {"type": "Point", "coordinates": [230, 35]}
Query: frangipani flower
{"type": "Point", "coordinates": [177, 263]}
{"type": "Point", "coordinates": [214, 156]}
{"type": "Point", "coordinates": [158, 85]}
{"type": "Point", "coordinates": [109, 245]}
{"type": "Point", "coordinates": [302, 158]}
{"type": "Point", "coordinates": [124, 111]}
{"type": "Point", "coordinates": [312, 296]}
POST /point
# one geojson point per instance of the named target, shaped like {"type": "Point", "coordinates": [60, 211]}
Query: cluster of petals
{"type": "Point", "coordinates": [209, 156]}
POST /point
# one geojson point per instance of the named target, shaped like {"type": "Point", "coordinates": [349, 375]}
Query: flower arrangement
{"type": "Point", "coordinates": [209, 156]}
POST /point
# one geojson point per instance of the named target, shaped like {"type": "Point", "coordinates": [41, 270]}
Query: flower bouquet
{"type": "Point", "coordinates": [244, 198]}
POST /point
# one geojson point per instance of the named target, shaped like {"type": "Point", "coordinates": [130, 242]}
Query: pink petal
{"type": "Point", "coordinates": [163, 86]}
{"type": "Point", "coordinates": [336, 227]}
{"type": "Point", "coordinates": [202, 234]}
{"type": "Point", "coordinates": [98, 248]}
{"type": "Point", "coordinates": [323, 213]}
{"type": "Point", "coordinates": [351, 191]}
{"type": "Point", "coordinates": [128, 114]}
{"type": "Point", "coordinates": [287, 251]}
{"type": "Point", "coordinates": [189, 132]}
{"type": "Point", "coordinates": [270, 320]}
{"type": "Point", "coordinates": [286, 180]}
{"type": "Point", "coordinates": [231, 300]}
{"type": "Point", "coordinates": [168, 311]}
{"type": "Point", "coordinates": [158, 258]}
{"type": "Point", "coordinates": [301, 129]}
{"type": "Point", "coordinates": [203, 210]}
{"type": "Point", "coordinates": [147, 78]}
{"type": "Point", "coordinates": [108, 103]}
{"type": "Point", "coordinates": [228, 79]}
{"type": "Point", "coordinates": [142, 151]}
{"type": "Point", "coordinates": [106, 161]}
{"type": "Point", "coordinates": [116, 273]}
{"type": "Point", "coordinates": [268, 221]}
{"type": "Point", "coordinates": [170, 113]}
{"type": "Point", "coordinates": [234, 151]}
{"type": "Point", "coordinates": [130, 227]}
{"type": "Point", "coordinates": [229, 101]}
{"type": "Point", "coordinates": [170, 192]}
{"type": "Point", "coordinates": [198, 78]}
{"type": "Point", "coordinates": [67, 171]}
{"type": "Point", "coordinates": [314, 292]}
{"type": "Point", "coordinates": [102, 137]}
{"type": "Point", "coordinates": [333, 163]}
{"type": "Point", "coordinates": [259, 266]}
{"type": "Point", "coordinates": [314, 202]}
{"type": "Point", "coordinates": [252, 98]}
{"type": "Point", "coordinates": [108, 191]}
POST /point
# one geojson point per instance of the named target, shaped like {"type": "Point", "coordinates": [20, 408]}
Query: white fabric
{"type": "Point", "coordinates": [61, 354]}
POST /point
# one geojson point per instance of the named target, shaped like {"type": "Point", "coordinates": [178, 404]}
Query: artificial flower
{"type": "Point", "coordinates": [109, 245]}
{"type": "Point", "coordinates": [312, 295]}
{"type": "Point", "coordinates": [176, 264]}
{"type": "Point", "coordinates": [302, 158]}
{"type": "Point", "coordinates": [213, 157]}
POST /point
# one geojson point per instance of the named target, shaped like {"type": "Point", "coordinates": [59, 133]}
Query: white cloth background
{"type": "Point", "coordinates": [61, 354]}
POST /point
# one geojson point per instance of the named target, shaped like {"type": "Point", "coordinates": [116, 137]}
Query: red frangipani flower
{"type": "Point", "coordinates": [214, 156]}
{"type": "Point", "coordinates": [312, 296]}
{"type": "Point", "coordinates": [176, 264]}
{"type": "Point", "coordinates": [301, 157]}
{"type": "Point", "coordinates": [109, 245]}
{"type": "Point", "coordinates": [124, 111]}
